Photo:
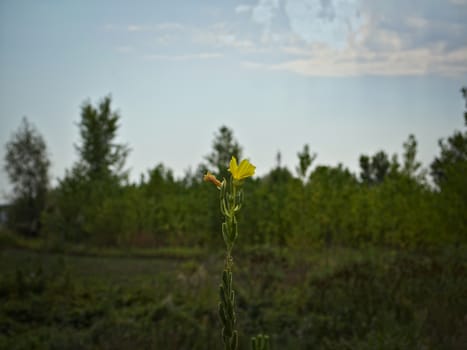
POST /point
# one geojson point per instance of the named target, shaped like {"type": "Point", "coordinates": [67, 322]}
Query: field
{"type": "Point", "coordinates": [335, 298]}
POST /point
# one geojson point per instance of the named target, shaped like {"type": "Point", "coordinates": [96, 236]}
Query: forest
{"type": "Point", "coordinates": [325, 258]}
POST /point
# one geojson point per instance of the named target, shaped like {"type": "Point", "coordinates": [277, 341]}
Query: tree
{"type": "Point", "coordinates": [330, 192]}
{"type": "Point", "coordinates": [27, 165]}
{"type": "Point", "coordinates": [101, 157]}
{"type": "Point", "coordinates": [224, 147]}
{"type": "Point", "coordinates": [83, 199]}
{"type": "Point", "coordinates": [380, 164]}
{"type": "Point", "coordinates": [365, 169]}
{"type": "Point", "coordinates": [449, 171]}
{"type": "Point", "coordinates": [304, 162]}
{"type": "Point", "coordinates": [272, 210]}
{"type": "Point", "coordinates": [374, 170]}
{"type": "Point", "coordinates": [453, 152]}
{"type": "Point", "coordinates": [411, 165]}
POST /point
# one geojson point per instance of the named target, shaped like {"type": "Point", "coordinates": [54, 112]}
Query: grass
{"type": "Point", "coordinates": [9, 240]}
{"type": "Point", "coordinates": [340, 298]}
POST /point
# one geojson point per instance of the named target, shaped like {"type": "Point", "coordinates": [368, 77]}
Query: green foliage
{"type": "Point", "coordinates": [89, 203]}
{"type": "Point", "coordinates": [360, 297]}
{"type": "Point", "coordinates": [78, 207]}
{"type": "Point", "coordinates": [411, 165]}
{"type": "Point", "coordinates": [260, 342]}
{"type": "Point", "coordinates": [374, 169]}
{"type": "Point", "coordinates": [99, 155]}
{"type": "Point", "coordinates": [27, 166]}
{"type": "Point", "coordinates": [330, 191]}
{"type": "Point", "coordinates": [453, 153]}
{"type": "Point", "coordinates": [389, 305]}
{"type": "Point", "coordinates": [304, 161]}
{"type": "Point", "coordinates": [330, 207]}
{"type": "Point", "coordinates": [269, 215]}
{"type": "Point", "coordinates": [448, 171]}
{"type": "Point", "coordinates": [355, 299]}
{"type": "Point", "coordinates": [50, 302]}
{"type": "Point", "coordinates": [390, 203]}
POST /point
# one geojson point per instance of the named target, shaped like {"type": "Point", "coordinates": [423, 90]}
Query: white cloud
{"type": "Point", "coordinates": [220, 36]}
{"type": "Point", "coordinates": [324, 61]}
{"type": "Point", "coordinates": [136, 28]}
{"type": "Point", "coordinates": [231, 40]}
{"type": "Point", "coordinates": [242, 8]}
{"type": "Point", "coordinates": [363, 37]}
{"type": "Point", "coordinates": [170, 26]}
{"type": "Point", "coordinates": [184, 57]}
{"type": "Point", "coordinates": [264, 11]}
{"type": "Point", "coordinates": [328, 37]}
{"type": "Point", "coordinates": [160, 27]}
{"type": "Point", "coordinates": [417, 22]}
{"type": "Point", "coordinates": [324, 21]}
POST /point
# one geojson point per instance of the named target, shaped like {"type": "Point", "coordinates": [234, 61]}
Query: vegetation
{"type": "Point", "coordinates": [339, 299]}
{"type": "Point", "coordinates": [329, 259]}
{"type": "Point", "coordinates": [27, 165]}
{"type": "Point", "coordinates": [389, 203]}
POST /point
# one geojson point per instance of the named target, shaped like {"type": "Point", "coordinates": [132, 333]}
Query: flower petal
{"type": "Point", "coordinates": [233, 168]}
{"type": "Point", "coordinates": [244, 170]}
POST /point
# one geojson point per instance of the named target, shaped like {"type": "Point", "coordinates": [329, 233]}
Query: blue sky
{"type": "Point", "coordinates": [346, 77]}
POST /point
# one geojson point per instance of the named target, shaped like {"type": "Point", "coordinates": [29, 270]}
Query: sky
{"type": "Point", "coordinates": [347, 77]}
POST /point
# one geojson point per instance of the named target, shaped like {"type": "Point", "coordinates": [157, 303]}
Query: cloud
{"type": "Point", "coordinates": [137, 28]}
{"type": "Point", "coordinates": [327, 21]}
{"type": "Point", "coordinates": [324, 61]}
{"type": "Point", "coordinates": [273, 22]}
{"type": "Point", "coordinates": [264, 11]}
{"type": "Point", "coordinates": [220, 35]}
{"type": "Point", "coordinates": [242, 8]}
{"type": "Point", "coordinates": [184, 57]}
{"type": "Point", "coordinates": [217, 35]}
{"type": "Point", "coordinates": [417, 26]}
{"type": "Point", "coordinates": [231, 40]}
{"type": "Point", "coordinates": [324, 21]}
{"type": "Point", "coordinates": [324, 37]}
{"type": "Point", "coordinates": [174, 26]}
{"type": "Point", "coordinates": [160, 27]}
{"type": "Point", "coordinates": [370, 37]}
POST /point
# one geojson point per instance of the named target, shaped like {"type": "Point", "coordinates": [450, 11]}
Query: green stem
{"type": "Point", "coordinates": [227, 309]}
{"type": "Point", "coordinates": [226, 292]}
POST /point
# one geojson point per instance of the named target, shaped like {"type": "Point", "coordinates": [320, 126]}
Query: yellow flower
{"type": "Point", "coordinates": [212, 178]}
{"type": "Point", "coordinates": [242, 171]}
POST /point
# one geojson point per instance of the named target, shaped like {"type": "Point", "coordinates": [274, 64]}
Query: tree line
{"type": "Point", "coordinates": [391, 201]}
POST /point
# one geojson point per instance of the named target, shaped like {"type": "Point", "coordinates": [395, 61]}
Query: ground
{"type": "Point", "coordinates": [335, 298]}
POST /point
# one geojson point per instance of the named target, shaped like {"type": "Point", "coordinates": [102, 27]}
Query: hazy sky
{"type": "Point", "coordinates": [346, 77]}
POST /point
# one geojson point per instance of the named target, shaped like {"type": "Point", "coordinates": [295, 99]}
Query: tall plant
{"type": "Point", "coordinates": [231, 200]}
